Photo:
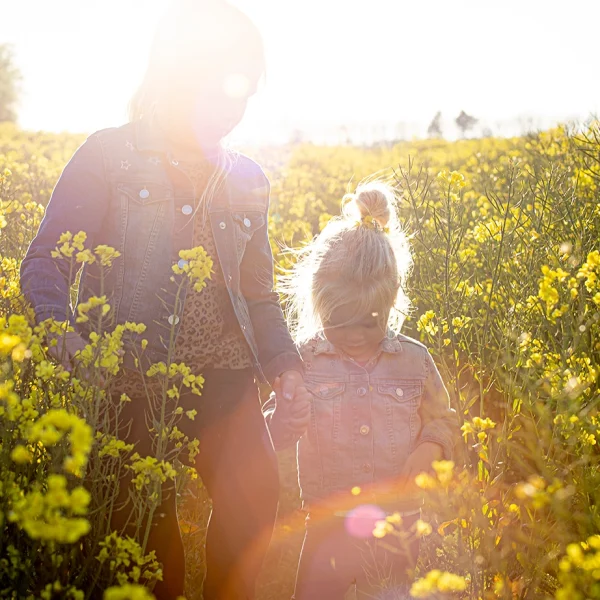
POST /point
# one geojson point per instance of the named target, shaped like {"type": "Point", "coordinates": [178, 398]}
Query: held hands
{"type": "Point", "coordinates": [292, 401]}
{"type": "Point", "coordinates": [418, 462]}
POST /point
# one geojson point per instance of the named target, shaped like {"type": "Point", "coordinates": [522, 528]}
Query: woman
{"type": "Point", "coordinates": [157, 185]}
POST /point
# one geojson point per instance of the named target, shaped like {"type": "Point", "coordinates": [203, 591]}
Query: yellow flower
{"type": "Point", "coordinates": [106, 255]}
{"type": "Point", "coordinates": [425, 481]}
{"type": "Point", "coordinates": [426, 323]}
{"type": "Point", "coordinates": [382, 528]}
{"type": "Point", "coordinates": [21, 455]}
{"type": "Point", "coordinates": [437, 581]}
{"type": "Point", "coordinates": [197, 265]}
{"type": "Point", "coordinates": [422, 528]}
{"type": "Point", "coordinates": [84, 308]}
{"type": "Point", "coordinates": [444, 470]}
{"type": "Point", "coordinates": [128, 591]}
{"type": "Point", "coordinates": [394, 519]}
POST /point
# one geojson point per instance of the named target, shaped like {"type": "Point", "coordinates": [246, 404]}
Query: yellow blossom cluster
{"type": "Point", "coordinates": [437, 582]}
{"type": "Point", "coordinates": [196, 264]}
{"type": "Point", "coordinates": [54, 514]}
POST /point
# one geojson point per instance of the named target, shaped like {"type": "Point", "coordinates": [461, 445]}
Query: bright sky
{"type": "Point", "coordinates": [373, 64]}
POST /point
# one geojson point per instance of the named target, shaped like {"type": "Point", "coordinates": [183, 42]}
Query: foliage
{"type": "Point", "coordinates": [506, 288]}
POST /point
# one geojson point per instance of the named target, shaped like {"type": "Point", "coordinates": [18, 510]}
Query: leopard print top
{"type": "Point", "coordinates": [209, 334]}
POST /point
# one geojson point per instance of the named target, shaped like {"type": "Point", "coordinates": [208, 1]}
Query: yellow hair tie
{"type": "Point", "coordinates": [369, 222]}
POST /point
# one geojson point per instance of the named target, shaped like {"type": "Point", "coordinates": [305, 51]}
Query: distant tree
{"type": "Point", "coordinates": [465, 122]}
{"type": "Point", "coordinates": [435, 127]}
{"type": "Point", "coordinates": [9, 85]}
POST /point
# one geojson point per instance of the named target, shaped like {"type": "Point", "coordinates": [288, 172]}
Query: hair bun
{"type": "Point", "coordinates": [374, 199]}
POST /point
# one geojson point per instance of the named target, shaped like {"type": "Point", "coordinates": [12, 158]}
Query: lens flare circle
{"type": "Point", "coordinates": [360, 521]}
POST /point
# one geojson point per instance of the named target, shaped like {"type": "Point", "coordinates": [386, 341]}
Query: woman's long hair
{"type": "Point", "coordinates": [196, 39]}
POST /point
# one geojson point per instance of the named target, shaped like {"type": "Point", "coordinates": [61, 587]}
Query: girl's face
{"type": "Point", "coordinates": [357, 335]}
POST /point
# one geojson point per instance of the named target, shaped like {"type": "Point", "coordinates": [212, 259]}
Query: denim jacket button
{"type": "Point", "coordinates": [222, 225]}
{"type": "Point", "coordinates": [364, 430]}
{"type": "Point", "coordinates": [186, 209]}
{"type": "Point", "coordinates": [366, 467]}
{"type": "Point", "coordinates": [247, 222]}
{"type": "Point", "coordinates": [361, 391]}
{"type": "Point", "coordinates": [173, 319]}
{"type": "Point", "coordinates": [144, 194]}
{"type": "Point", "coordinates": [399, 392]}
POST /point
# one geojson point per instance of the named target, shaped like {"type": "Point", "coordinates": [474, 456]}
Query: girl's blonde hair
{"type": "Point", "coordinates": [362, 257]}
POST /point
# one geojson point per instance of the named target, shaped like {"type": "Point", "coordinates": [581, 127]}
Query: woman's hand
{"type": "Point", "coordinates": [66, 347]}
{"type": "Point", "coordinates": [419, 462]}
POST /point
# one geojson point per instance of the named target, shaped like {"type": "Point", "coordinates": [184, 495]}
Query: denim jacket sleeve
{"type": "Point", "coordinates": [276, 350]}
{"type": "Point", "coordinates": [440, 424]}
{"type": "Point", "coordinates": [78, 203]}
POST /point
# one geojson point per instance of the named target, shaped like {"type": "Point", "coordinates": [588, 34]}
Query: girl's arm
{"type": "Point", "coordinates": [78, 203]}
{"type": "Point", "coordinates": [283, 437]}
{"type": "Point", "coordinates": [276, 350]}
{"type": "Point", "coordinates": [439, 421]}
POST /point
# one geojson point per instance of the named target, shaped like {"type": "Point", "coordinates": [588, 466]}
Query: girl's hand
{"type": "Point", "coordinates": [296, 413]}
{"type": "Point", "coordinates": [418, 462]}
{"type": "Point", "coordinates": [289, 381]}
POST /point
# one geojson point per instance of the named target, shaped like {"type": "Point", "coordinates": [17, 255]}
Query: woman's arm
{"type": "Point", "coordinates": [276, 349]}
{"type": "Point", "coordinates": [78, 203]}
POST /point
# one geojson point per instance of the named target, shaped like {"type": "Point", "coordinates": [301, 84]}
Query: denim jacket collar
{"type": "Point", "coordinates": [390, 345]}
{"type": "Point", "coordinates": [149, 137]}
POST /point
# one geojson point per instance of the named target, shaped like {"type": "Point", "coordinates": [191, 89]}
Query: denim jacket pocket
{"type": "Point", "coordinates": [144, 193]}
{"type": "Point", "coordinates": [401, 400]}
{"type": "Point", "coordinates": [325, 430]}
{"type": "Point", "coordinates": [326, 391]}
{"type": "Point", "coordinates": [246, 223]}
{"type": "Point", "coordinates": [401, 391]}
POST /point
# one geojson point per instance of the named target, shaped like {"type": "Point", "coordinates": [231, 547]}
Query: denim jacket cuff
{"type": "Point", "coordinates": [447, 448]}
{"type": "Point", "coordinates": [47, 311]}
{"type": "Point", "coordinates": [288, 361]}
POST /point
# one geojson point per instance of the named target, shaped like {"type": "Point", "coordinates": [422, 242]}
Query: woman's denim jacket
{"type": "Point", "coordinates": [365, 421]}
{"type": "Point", "coordinates": [124, 189]}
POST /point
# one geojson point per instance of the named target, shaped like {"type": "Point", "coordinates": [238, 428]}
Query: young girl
{"type": "Point", "coordinates": [159, 184]}
{"type": "Point", "coordinates": [377, 412]}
